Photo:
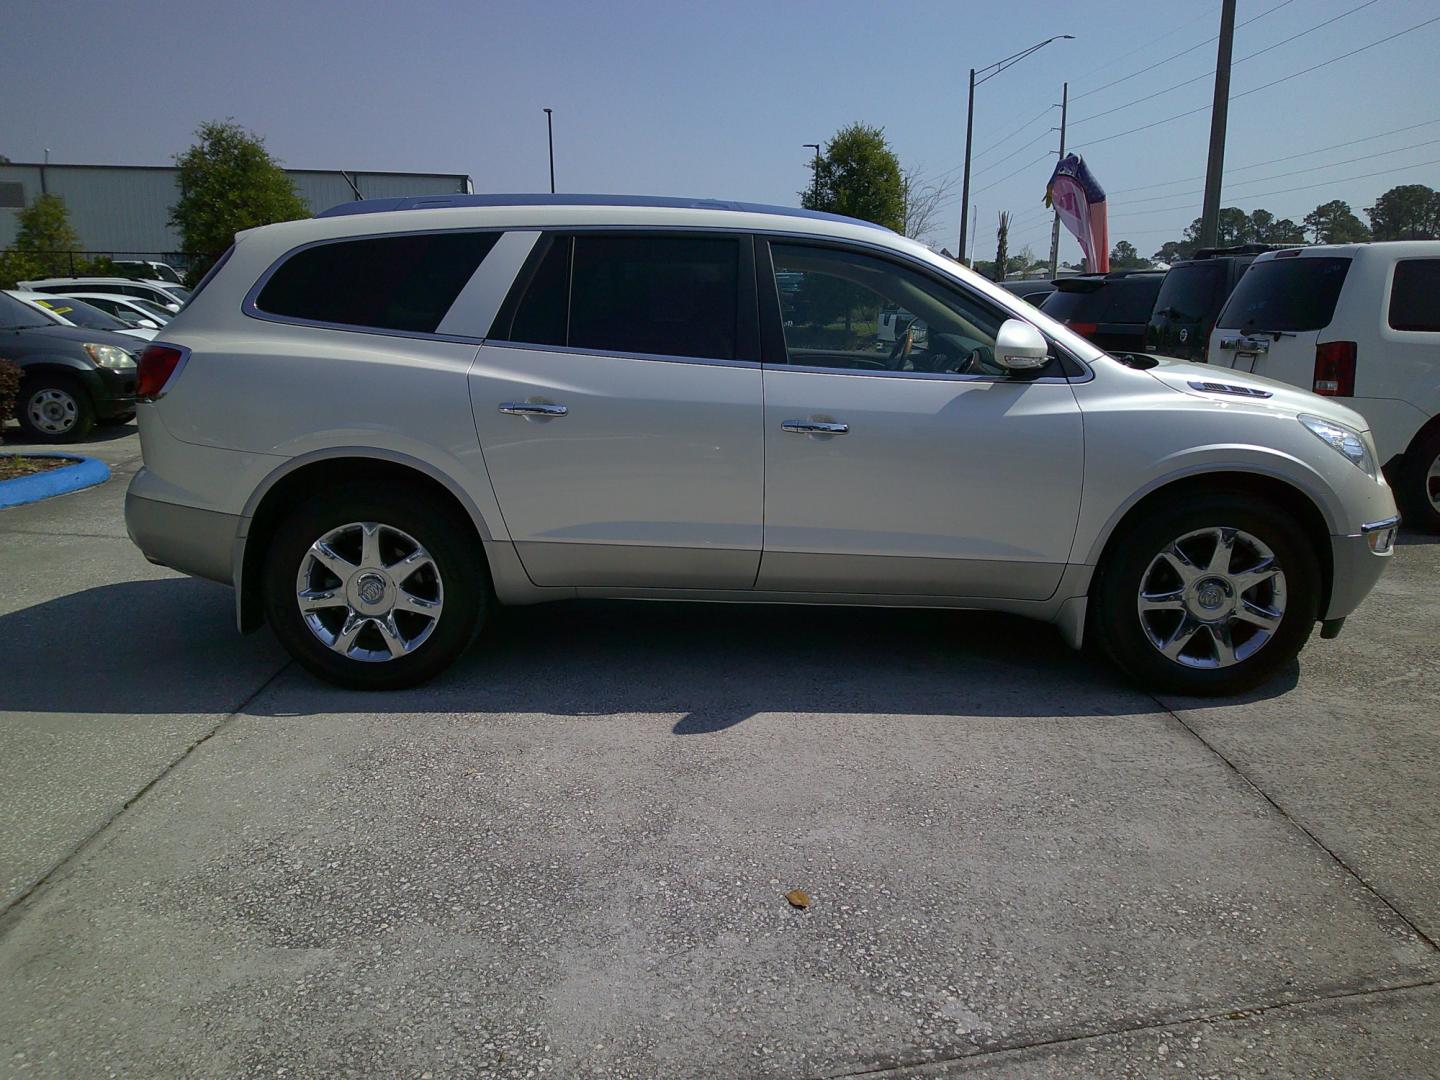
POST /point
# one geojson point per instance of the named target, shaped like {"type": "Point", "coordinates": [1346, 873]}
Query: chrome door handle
{"type": "Point", "coordinates": [532, 408]}
{"type": "Point", "coordinates": [814, 427]}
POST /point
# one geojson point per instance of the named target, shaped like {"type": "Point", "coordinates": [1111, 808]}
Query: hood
{"type": "Point", "coordinates": [1223, 385]}
{"type": "Point", "coordinates": [57, 338]}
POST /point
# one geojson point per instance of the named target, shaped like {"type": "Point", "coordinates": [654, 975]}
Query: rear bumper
{"type": "Point", "coordinates": [196, 542]}
{"type": "Point", "coordinates": [1357, 567]}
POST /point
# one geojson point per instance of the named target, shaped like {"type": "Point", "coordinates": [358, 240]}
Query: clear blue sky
{"type": "Point", "coordinates": [680, 98]}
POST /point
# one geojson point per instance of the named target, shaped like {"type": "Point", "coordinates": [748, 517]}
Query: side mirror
{"type": "Point", "coordinates": [147, 324]}
{"type": "Point", "coordinates": [1020, 347]}
{"type": "Point", "coordinates": [172, 307]}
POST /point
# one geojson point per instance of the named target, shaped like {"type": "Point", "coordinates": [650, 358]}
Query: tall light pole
{"type": "Point", "coordinates": [986, 73]}
{"type": "Point", "coordinates": [550, 134]}
{"type": "Point", "coordinates": [1055, 225]}
{"type": "Point", "coordinates": [1219, 112]}
{"type": "Point", "coordinates": [816, 171]}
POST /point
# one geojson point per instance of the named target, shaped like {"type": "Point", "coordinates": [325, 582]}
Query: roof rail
{"type": "Point", "coordinates": [1238, 249]}
{"type": "Point", "coordinates": [436, 202]}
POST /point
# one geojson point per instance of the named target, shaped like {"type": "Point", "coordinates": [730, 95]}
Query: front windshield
{"type": "Point", "coordinates": [82, 314]}
{"type": "Point", "coordinates": [179, 292]}
{"type": "Point", "coordinates": [154, 311]}
{"type": "Point", "coordinates": [18, 315]}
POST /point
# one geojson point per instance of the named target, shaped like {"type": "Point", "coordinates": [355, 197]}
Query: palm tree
{"type": "Point", "coordinates": [1002, 245]}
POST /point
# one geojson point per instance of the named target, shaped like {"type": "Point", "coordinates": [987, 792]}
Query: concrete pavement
{"type": "Point", "coordinates": [567, 856]}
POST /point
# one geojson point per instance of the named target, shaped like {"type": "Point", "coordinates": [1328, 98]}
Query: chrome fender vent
{"type": "Point", "coordinates": [1228, 388]}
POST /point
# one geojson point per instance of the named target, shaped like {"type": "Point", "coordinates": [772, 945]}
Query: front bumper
{"type": "Point", "coordinates": [196, 542]}
{"type": "Point", "coordinates": [1357, 566]}
{"type": "Point", "coordinates": [113, 392]}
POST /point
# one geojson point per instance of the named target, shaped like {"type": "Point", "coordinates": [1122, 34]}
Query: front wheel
{"type": "Point", "coordinates": [374, 590]}
{"type": "Point", "coordinates": [1418, 489]}
{"type": "Point", "coordinates": [55, 409]}
{"type": "Point", "coordinates": [1211, 596]}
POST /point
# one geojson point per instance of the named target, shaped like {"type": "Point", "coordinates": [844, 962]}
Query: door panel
{"type": "Point", "coordinates": [653, 477]}
{"type": "Point", "coordinates": [939, 487]}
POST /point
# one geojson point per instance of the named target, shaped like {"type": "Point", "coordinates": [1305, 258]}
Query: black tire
{"type": "Point", "coordinates": [1118, 627]}
{"type": "Point", "coordinates": [443, 532]}
{"type": "Point", "coordinates": [63, 400]}
{"type": "Point", "coordinates": [1417, 491]}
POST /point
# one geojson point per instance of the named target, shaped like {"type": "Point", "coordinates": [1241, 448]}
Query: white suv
{"type": "Point", "coordinates": [1359, 322]}
{"type": "Point", "coordinates": [378, 423]}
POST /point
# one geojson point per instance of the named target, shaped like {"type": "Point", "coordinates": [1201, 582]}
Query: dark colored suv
{"type": "Point", "coordinates": [71, 377]}
{"type": "Point", "coordinates": [1190, 300]}
{"type": "Point", "coordinates": [1109, 309]}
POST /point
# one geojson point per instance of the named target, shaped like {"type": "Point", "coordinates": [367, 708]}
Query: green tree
{"type": "Point", "coordinates": [228, 182]}
{"type": "Point", "coordinates": [1406, 212]}
{"type": "Point", "coordinates": [1123, 256]}
{"type": "Point", "coordinates": [1002, 246]}
{"type": "Point", "coordinates": [45, 239]}
{"type": "Point", "coordinates": [1175, 250]}
{"type": "Point", "coordinates": [1335, 223]}
{"type": "Point", "coordinates": [859, 176]}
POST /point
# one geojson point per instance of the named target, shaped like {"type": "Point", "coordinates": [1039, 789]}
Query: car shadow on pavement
{"type": "Point", "coordinates": [170, 646]}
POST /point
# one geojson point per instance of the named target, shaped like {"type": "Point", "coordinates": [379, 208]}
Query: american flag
{"type": "Point", "coordinates": [1080, 202]}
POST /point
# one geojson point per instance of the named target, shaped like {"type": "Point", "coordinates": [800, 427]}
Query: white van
{"type": "Point", "coordinates": [1360, 322]}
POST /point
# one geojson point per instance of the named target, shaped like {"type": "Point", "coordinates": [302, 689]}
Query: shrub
{"type": "Point", "coordinates": [9, 391]}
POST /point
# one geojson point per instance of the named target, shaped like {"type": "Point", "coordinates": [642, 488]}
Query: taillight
{"type": "Point", "coordinates": [1335, 369]}
{"type": "Point", "coordinates": [158, 365]}
{"type": "Point", "coordinates": [1085, 329]}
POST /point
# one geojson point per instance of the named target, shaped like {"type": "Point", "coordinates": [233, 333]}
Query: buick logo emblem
{"type": "Point", "coordinates": [372, 590]}
{"type": "Point", "coordinates": [1184, 336]}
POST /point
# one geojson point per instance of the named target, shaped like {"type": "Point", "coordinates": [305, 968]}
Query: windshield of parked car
{"type": "Point", "coordinates": [1189, 291]}
{"type": "Point", "coordinates": [18, 315]}
{"type": "Point", "coordinates": [154, 310]}
{"type": "Point", "coordinates": [83, 314]}
{"type": "Point", "coordinates": [1290, 295]}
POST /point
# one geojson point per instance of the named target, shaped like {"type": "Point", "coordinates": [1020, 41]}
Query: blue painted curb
{"type": "Point", "coordinates": [86, 472]}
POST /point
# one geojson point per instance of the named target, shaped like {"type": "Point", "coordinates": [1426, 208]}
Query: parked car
{"type": "Point", "coordinates": [1112, 310]}
{"type": "Point", "coordinates": [1191, 298]}
{"type": "Point", "coordinates": [378, 423]}
{"type": "Point", "coordinates": [68, 312]}
{"type": "Point", "coordinates": [128, 309]}
{"type": "Point", "coordinates": [1032, 289]}
{"type": "Point", "coordinates": [149, 270]}
{"type": "Point", "coordinates": [169, 297]}
{"type": "Point", "coordinates": [71, 377]}
{"type": "Point", "coordinates": [1357, 322]}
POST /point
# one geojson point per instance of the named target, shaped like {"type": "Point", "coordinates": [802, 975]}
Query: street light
{"type": "Point", "coordinates": [550, 134]}
{"type": "Point", "coordinates": [816, 170]}
{"type": "Point", "coordinates": [987, 73]}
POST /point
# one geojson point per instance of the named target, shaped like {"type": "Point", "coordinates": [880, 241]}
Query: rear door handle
{"type": "Point", "coordinates": [814, 427]}
{"type": "Point", "coordinates": [532, 408]}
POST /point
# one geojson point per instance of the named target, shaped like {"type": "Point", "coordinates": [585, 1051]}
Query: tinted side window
{"type": "Point", "coordinates": [1189, 291]}
{"type": "Point", "coordinates": [669, 295]}
{"type": "Point", "coordinates": [1293, 294]}
{"type": "Point", "coordinates": [542, 315]}
{"type": "Point", "coordinates": [404, 282]}
{"type": "Point", "coordinates": [1415, 295]}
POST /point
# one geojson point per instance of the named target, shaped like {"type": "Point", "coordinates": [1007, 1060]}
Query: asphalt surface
{"type": "Point", "coordinates": [568, 856]}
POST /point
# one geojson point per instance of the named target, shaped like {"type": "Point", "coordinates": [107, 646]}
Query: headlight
{"type": "Point", "coordinates": [1344, 441]}
{"type": "Point", "coordinates": [110, 356]}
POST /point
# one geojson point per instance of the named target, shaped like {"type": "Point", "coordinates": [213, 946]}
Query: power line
{"type": "Point", "coordinates": [1176, 56]}
{"type": "Point", "coordinates": [1017, 172]}
{"type": "Point", "coordinates": [1267, 86]}
{"type": "Point", "coordinates": [1013, 153]}
{"type": "Point", "coordinates": [1208, 74]}
{"type": "Point", "coordinates": [1016, 131]}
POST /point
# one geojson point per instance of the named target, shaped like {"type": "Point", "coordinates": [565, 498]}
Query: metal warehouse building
{"type": "Point", "coordinates": [124, 210]}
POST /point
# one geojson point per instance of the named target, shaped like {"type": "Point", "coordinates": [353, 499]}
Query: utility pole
{"type": "Point", "coordinates": [550, 134]}
{"type": "Point", "coordinates": [965, 190]}
{"type": "Point", "coordinates": [1055, 225]}
{"type": "Point", "coordinates": [816, 170]}
{"type": "Point", "coordinates": [1215, 167]}
{"type": "Point", "coordinates": [974, 231]}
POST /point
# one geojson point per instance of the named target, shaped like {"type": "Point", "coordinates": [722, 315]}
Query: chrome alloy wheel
{"type": "Point", "coordinates": [369, 591]}
{"type": "Point", "coordinates": [1212, 598]}
{"type": "Point", "coordinates": [52, 411]}
{"type": "Point", "coordinates": [1432, 483]}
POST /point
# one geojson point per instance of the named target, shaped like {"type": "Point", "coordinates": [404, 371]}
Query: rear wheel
{"type": "Point", "coordinates": [374, 590]}
{"type": "Point", "coordinates": [54, 409]}
{"type": "Point", "coordinates": [1212, 596]}
{"type": "Point", "coordinates": [1418, 488]}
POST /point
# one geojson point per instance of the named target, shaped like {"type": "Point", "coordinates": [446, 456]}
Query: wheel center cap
{"type": "Point", "coordinates": [1212, 596]}
{"type": "Point", "coordinates": [371, 591]}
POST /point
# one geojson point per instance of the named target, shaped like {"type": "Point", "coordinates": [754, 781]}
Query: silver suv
{"type": "Point", "coordinates": [379, 423]}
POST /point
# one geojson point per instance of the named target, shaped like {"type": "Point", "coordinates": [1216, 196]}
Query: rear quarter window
{"type": "Point", "coordinates": [1294, 295]}
{"type": "Point", "coordinates": [1113, 302]}
{"type": "Point", "coordinates": [405, 282]}
{"type": "Point", "coordinates": [1415, 295]}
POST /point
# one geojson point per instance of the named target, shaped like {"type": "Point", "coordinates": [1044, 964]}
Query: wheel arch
{"type": "Point", "coordinates": [1306, 511]}
{"type": "Point", "coordinates": [305, 476]}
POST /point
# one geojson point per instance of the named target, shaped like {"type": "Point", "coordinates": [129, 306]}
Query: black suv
{"type": "Point", "coordinates": [1109, 309]}
{"type": "Point", "coordinates": [71, 377]}
{"type": "Point", "coordinates": [1190, 300]}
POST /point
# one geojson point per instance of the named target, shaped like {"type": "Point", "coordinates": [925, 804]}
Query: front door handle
{"type": "Point", "coordinates": [532, 408]}
{"type": "Point", "coordinates": [814, 427]}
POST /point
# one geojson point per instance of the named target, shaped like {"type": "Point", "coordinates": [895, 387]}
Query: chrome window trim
{"type": "Point", "coordinates": [249, 308]}
{"type": "Point", "coordinates": [928, 376]}
{"type": "Point", "coordinates": [664, 358]}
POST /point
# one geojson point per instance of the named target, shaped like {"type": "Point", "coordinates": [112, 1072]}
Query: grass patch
{"type": "Point", "coordinates": [14, 465]}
